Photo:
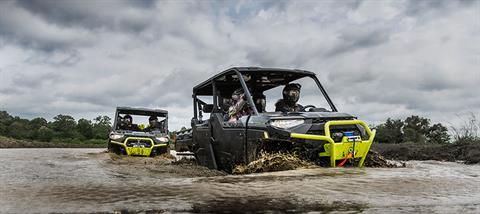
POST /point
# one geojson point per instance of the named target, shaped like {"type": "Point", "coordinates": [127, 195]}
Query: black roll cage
{"type": "Point", "coordinates": [201, 89]}
{"type": "Point", "coordinates": [142, 112]}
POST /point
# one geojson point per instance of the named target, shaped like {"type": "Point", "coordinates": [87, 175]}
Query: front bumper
{"type": "Point", "coordinates": [347, 148]}
{"type": "Point", "coordinates": [138, 150]}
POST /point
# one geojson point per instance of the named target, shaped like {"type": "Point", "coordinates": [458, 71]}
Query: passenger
{"type": "Point", "coordinates": [162, 125]}
{"type": "Point", "coordinates": [291, 94]}
{"type": "Point", "coordinates": [128, 121]}
{"type": "Point", "coordinates": [260, 102]}
{"type": "Point", "coordinates": [153, 124]}
{"type": "Point", "coordinates": [121, 123]}
{"type": "Point", "coordinates": [239, 106]}
{"type": "Point", "coordinates": [226, 103]}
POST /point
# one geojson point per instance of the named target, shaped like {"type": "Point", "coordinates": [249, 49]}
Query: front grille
{"type": "Point", "coordinates": [317, 129]}
{"type": "Point", "coordinates": [139, 143]}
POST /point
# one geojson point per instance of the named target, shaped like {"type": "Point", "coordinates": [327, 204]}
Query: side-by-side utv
{"type": "Point", "coordinates": [319, 133]}
{"type": "Point", "coordinates": [131, 137]}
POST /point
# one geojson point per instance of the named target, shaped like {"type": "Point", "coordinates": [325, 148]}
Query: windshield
{"type": "Point", "coordinates": [292, 96]}
{"type": "Point", "coordinates": [141, 123]}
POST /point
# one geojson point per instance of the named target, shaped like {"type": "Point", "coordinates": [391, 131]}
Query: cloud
{"type": "Point", "coordinates": [376, 59]}
{"type": "Point", "coordinates": [97, 15]}
{"type": "Point", "coordinates": [23, 28]}
{"type": "Point", "coordinates": [353, 39]}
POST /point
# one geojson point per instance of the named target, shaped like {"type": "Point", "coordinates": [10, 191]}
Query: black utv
{"type": "Point", "coordinates": [139, 132]}
{"type": "Point", "coordinates": [316, 131]}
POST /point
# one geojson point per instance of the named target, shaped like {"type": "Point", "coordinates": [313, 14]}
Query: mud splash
{"type": "Point", "coordinates": [376, 160]}
{"type": "Point", "coordinates": [272, 162]}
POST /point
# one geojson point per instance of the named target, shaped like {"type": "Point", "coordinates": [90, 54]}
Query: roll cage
{"type": "Point", "coordinates": [140, 112]}
{"type": "Point", "coordinates": [254, 80]}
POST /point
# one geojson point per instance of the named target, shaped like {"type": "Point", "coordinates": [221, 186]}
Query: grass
{"type": "Point", "coordinates": [468, 132]}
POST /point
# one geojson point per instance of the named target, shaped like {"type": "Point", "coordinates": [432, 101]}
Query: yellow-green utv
{"type": "Point", "coordinates": [139, 132]}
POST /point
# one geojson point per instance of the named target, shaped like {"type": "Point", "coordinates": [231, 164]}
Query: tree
{"type": "Point", "coordinates": [102, 127]}
{"type": "Point", "coordinates": [3, 129]}
{"type": "Point", "coordinates": [416, 129]}
{"type": "Point", "coordinates": [18, 130]}
{"type": "Point", "coordinates": [85, 128]}
{"type": "Point", "coordinates": [438, 134]}
{"type": "Point", "coordinates": [38, 122]}
{"type": "Point", "coordinates": [390, 131]}
{"type": "Point", "coordinates": [64, 125]}
{"type": "Point", "coordinates": [4, 122]}
{"type": "Point", "coordinates": [5, 118]}
{"type": "Point", "coordinates": [44, 134]}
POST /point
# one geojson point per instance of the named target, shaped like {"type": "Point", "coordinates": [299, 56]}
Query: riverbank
{"type": "Point", "coordinates": [6, 142]}
{"type": "Point", "coordinates": [467, 152]}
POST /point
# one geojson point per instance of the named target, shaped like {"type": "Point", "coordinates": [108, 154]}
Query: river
{"type": "Point", "coordinates": [90, 180]}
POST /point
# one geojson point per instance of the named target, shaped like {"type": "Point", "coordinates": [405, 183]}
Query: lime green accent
{"type": "Point", "coordinates": [340, 150]}
{"type": "Point", "coordinates": [116, 142]}
{"type": "Point", "coordinates": [142, 151]}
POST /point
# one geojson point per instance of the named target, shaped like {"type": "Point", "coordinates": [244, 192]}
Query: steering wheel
{"type": "Point", "coordinates": [307, 107]}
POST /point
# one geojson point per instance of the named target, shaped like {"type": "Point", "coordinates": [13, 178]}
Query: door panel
{"type": "Point", "coordinates": [201, 138]}
{"type": "Point", "coordinates": [229, 143]}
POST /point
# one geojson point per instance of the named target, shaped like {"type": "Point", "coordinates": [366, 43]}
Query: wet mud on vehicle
{"type": "Point", "coordinates": [130, 138]}
{"type": "Point", "coordinates": [316, 133]}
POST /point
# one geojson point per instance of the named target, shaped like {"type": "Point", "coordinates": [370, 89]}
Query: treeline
{"type": "Point", "coordinates": [63, 128]}
{"type": "Point", "coordinates": [415, 129]}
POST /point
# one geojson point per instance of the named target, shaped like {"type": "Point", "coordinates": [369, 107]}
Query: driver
{"type": "Point", "coordinates": [239, 106]}
{"type": "Point", "coordinates": [291, 94]}
{"type": "Point", "coordinates": [121, 123]}
{"type": "Point", "coordinates": [127, 119]}
{"type": "Point", "coordinates": [153, 124]}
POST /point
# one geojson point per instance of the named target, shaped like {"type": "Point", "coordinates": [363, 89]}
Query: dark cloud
{"type": "Point", "coordinates": [25, 29]}
{"type": "Point", "coordinates": [96, 15]}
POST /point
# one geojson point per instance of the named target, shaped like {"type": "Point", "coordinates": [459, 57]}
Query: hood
{"type": "Point", "coordinates": [311, 115]}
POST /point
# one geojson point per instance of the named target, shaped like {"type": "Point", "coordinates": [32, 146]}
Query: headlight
{"type": "Point", "coordinates": [285, 124]}
{"type": "Point", "coordinates": [116, 136]}
{"type": "Point", "coordinates": [162, 139]}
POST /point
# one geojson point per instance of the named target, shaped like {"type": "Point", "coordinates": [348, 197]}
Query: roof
{"type": "Point", "coordinates": [260, 78]}
{"type": "Point", "coordinates": [140, 111]}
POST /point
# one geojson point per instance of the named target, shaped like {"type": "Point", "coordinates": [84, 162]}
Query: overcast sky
{"type": "Point", "coordinates": [377, 59]}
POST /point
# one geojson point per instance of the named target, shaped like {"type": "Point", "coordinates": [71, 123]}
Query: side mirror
{"type": "Point", "coordinates": [207, 108]}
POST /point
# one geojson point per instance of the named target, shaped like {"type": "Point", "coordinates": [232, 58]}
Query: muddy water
{"type": "Point", "coordinates": [88, 180]}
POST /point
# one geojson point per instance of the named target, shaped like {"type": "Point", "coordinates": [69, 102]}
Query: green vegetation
{"type": "Point", "coordinates": [418, 130]}
{"type": "Point", "coordinates": [468, 132]}
{"type": "Point", "coordinates": [64, 129]}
